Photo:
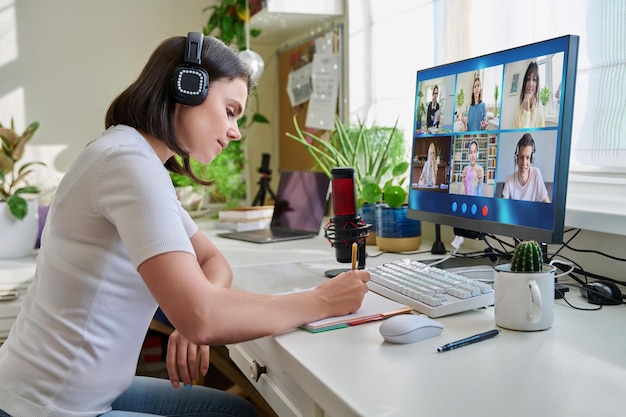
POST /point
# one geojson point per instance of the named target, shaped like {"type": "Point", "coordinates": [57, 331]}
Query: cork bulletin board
{"type": "Point", "coordinates": [293, 156]}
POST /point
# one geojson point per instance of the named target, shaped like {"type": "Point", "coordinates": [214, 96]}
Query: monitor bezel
{"type": "Point", "coordinates": [569, 46]}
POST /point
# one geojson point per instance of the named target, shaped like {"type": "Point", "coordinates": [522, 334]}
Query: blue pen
{"type": "Point", "coordinates": [468, 340]}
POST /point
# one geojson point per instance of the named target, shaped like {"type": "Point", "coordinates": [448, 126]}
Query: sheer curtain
{"type": "Point", "coordinates": [600, 126]}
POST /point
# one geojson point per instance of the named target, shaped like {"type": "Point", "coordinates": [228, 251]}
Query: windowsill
{"type": "Point", "coordinates": [597, 205]}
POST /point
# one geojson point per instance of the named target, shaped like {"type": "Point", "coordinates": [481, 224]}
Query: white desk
{"type": "Point", "coordinates": [577, 368]}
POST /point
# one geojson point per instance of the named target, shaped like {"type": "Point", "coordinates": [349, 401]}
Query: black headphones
{"type": "Point", "coordinates": [531, 141]}
{"type": "Point", "coordinates": [190, 82]}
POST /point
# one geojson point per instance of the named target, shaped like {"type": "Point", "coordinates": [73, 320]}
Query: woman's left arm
{"type": "Point", "coordinates": [183, 356]}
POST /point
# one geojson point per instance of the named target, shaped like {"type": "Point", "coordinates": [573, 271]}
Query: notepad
{"type": "Point", "coordinates": [374, 307]}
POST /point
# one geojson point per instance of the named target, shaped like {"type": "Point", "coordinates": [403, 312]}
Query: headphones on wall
{"type": "Point", "coordinates": [190, 82]}
{"type": "Point", "coordinates": [519, 145]}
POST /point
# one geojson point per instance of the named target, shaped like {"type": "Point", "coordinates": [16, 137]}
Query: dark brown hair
{"type": "Point", "coordinates": [480, 94]}
{"type": "Point", "coordinates": [148, 103]}
{"type": "Point", "coordinates": [533, 68]}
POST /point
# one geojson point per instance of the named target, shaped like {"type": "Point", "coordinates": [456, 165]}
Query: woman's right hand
{"type": "Point", "coordinates": [345, 292]}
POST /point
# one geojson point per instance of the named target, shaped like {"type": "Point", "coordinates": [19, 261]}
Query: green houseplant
{"type": "Point", "coordinates": [374, 152]}
{"type": "Point", "coordinates": [13, 177]}
{"type": "Point", "coordinates": [18, 214]}
{"type": "Point", "coordinates": [544, 95]}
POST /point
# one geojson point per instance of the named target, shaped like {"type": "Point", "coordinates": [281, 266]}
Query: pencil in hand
{"type": "Point", "coordinates": [355, 248]}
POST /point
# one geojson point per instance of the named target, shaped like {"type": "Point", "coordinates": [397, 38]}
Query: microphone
{"type": "Point", "coordinates": [346, 226]}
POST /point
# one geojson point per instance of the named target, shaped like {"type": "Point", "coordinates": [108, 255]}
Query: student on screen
{"type": "Point", "coordinates": [477, 113]}
{"type": "Point", "coordinates": [530, 111]}
{"type": "Point", "coordinates": [526, 183]}
{"type": "Point", "coordinates": [432, 114]}
{"type": "Point", "coordinates": [429, 171]}
{"type": "Point", "coordinates": [473, 174]}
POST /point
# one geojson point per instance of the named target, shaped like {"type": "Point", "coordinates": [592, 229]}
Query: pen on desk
{"type": "Point", "coordinates": [355, 248]}
{"type": "Point", "coordinates": [468, 340]}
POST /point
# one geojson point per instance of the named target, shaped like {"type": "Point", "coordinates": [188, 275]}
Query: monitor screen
{"type": "Point", "coordinates": [491, 141]}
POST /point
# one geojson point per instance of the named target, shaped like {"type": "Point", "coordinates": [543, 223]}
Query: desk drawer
{"type": "Point", "coordinates": [281, 392]}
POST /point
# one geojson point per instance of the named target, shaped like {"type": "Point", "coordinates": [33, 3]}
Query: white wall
{"type": "Point", "coordinates": [63, 61]}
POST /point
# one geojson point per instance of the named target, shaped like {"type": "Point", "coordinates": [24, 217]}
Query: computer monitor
{"type": "Point", "coordinates": [496, 162]}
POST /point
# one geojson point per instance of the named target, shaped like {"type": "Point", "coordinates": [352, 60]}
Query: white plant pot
{"type": "Point", "coordinates": [18, 237]}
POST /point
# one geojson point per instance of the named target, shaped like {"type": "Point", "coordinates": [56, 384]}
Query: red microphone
{"type": "Point", "coordinates": [346, 227]}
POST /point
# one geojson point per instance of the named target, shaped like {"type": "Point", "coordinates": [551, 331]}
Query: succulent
{"type": "Point", "coordinates": [527, 257]}
{"type": "Point", "coordinates": [13, 182]}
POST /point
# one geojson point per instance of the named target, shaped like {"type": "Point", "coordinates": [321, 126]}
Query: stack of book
{"type": "Point", "coordinates": [245, 218]}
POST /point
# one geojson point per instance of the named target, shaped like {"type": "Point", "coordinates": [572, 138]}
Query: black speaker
{"type": "Point", "coordinates": [190, 82]}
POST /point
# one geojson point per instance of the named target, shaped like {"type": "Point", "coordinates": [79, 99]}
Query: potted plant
{"type": "Point", "coordinates": [460, 99]}
{"type": "Point", "coordinates": [524, 290]}
{"type": "Point", "coordinates": [421, 110]}
{"type": "Point", "coordinates": [372, 151]}
{"type": "Point", "coordinates": [544, 95]}
{"type": "Point", "coordinates": [496, 94]}
{"type": "Point", "coordinates": [395, 232]}
{"type": "Point", "coordinates": [18, 215]}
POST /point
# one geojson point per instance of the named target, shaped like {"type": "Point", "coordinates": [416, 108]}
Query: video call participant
{"type": "Point", "coordinates": [433, 108]}
{"type": "Point", "coordinates": [473, 174]}
{"type": "Point", "coordinates": [477, 113]}
{"type": "Point", "coordinates": [526, 183]}
{"type": "Point", "coordinates": [428, 177]}
{"type": "Point", "coordinates": [530, 111]}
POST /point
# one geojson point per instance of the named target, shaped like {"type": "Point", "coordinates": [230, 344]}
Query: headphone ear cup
{"type": "Point", "coordinates": [190, 84]}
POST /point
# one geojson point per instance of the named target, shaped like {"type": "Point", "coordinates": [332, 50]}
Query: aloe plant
{"type": "Point", "coordinates": [527, 257]}
{"type": "Point", "coordinates": [13, 177]}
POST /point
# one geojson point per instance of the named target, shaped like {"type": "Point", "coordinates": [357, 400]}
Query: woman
{"type": "Point", "coordinates": [530, 111]}
{"type": "Point", "coordinates": [428, 178]}
{"type": "Point", "coordinates": [477, 113]}
{"type": "Point", "coordinates": [527, 182]}
{"type": "Point", "coordinates": [472, 175]}
{"type": "Point", "coordinates": [117, 244]}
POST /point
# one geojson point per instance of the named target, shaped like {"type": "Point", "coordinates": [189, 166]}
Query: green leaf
{"type": "Point", "coordinates": [259, 118]}
{"type": "Point", "coordinates": [17, 206]}
{"type": "Point", "coordinates": [372, 193]}
{"type": "Point", "coordinates": [394, 196]}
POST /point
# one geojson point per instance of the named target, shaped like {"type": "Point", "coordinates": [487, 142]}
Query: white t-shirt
{"type": "Point", "coordinates": [75, 344]}
{"type": "Point", "coordinates": [533, 190]}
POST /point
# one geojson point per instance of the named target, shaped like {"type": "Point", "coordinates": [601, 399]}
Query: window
{"type": "Point", "coordinates": [430, 32]}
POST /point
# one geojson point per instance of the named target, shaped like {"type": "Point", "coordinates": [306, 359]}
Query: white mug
{"type": "Point", "coordinates": [524, 300]}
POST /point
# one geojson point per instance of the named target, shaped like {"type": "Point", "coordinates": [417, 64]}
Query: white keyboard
{"type": "Point", "coordinates": [429, 290]}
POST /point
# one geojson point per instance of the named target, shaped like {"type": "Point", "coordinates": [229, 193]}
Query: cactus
{"type": "Point", "coordinates": [527, 257]}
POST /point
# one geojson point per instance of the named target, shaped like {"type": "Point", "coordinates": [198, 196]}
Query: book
{"type": "Point", "coordinates": [246, 213]}
{"type": "Point", "coordinates": [375, 307]}
{"type": "Point", "coordinates": [244, 225]}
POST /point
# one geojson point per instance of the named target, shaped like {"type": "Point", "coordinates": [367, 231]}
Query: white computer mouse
{"type": "Point", "coordinates": [409, 328]}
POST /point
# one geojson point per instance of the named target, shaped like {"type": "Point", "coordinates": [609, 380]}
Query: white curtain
{"type": "Point", "coordinates": [470, 28]}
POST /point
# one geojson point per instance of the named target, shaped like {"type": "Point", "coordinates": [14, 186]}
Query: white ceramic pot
{"type": "Point", "coordinates": [524, 300]}
{"type": "Point", "coordinates": [18, 237]}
